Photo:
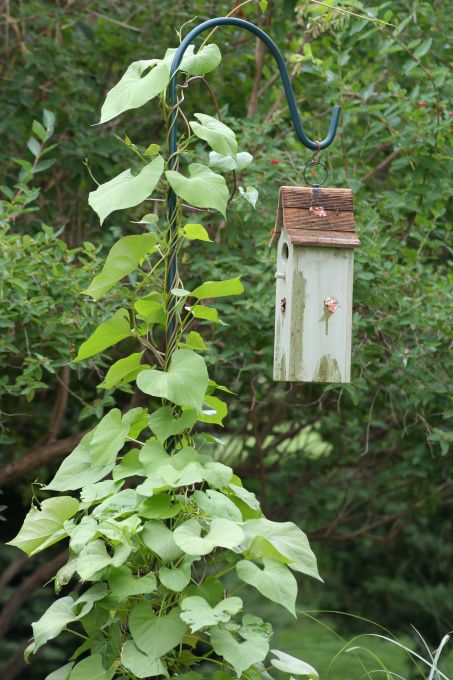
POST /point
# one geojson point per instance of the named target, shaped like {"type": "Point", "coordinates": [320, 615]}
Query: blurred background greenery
{"type": "Point", "coordinates": [364, 468]}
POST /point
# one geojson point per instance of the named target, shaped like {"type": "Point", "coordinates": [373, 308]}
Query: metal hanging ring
{"type": "Point", "coordinates": [311, 164]}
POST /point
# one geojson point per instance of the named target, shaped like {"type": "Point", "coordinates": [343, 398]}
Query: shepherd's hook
{"type": "Point", "coordinates": [172, 271]}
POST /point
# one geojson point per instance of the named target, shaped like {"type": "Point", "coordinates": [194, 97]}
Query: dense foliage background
{"type": "Point", "coordinates": [365, 468]}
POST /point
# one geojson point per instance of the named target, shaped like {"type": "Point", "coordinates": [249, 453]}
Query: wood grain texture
{"type": "Point", "coordinates": [327, 238]}
{"type": "Point", "coordinates": [304, 197]}
{"type": "Point", "coordinates": [300, 218]}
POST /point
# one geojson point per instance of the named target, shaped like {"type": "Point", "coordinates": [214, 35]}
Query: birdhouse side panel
{"type": "Point", "coordinates": [326, 329]}
{"type": "Point", "coordinates": [283, 280]}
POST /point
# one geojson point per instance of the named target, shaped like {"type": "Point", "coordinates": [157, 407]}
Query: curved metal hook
{"type": "Point", "coordinates": [172, 271]}
{"type": "Point", "coordinates": [241, 23]}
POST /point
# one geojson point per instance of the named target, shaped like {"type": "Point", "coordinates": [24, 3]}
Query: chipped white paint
{"type": "Point", "coordinates": [311, 343]}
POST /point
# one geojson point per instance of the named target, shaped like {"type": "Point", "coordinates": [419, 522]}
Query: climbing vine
{"type": "Point", "coordinates": [162, 536]}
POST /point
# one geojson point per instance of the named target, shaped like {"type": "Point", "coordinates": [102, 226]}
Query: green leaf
{"type": "Point", "coordinates": [160, 540]}
{"type": "Point", "coordinates": [135, 89]}
{"type": "Point", "coordinates": [44, 527]}
{"type": "Point", "coordinates": [216, 504]}
{"type": "Point", "coordinates": [61, 673]}
{"type": "Point", "coordinates": [229, 163]}
{"type": "Point", "coordinates": [39, 130]}
{"type": "Point", "coordinates": [82, 533]}
{"type": "Point", "coordinates": [159, 507]}
{"type": "Point", "coordinates": [34, 146]}
{"type": "Point", "coordinates": [217, 289]}
{"type": "Point", "coordinates": [184, 383]}
{"type": "Point", "coordinates": [177, 578]}
{"type": "Point", "coordinates": [193, 341]}
{"type": "Point", "coordinates": [203, 189]}
{"type": "Point", "coordinates": [211, 589]}
{"type": "Point", "coordinates": [110, 332]}
{"type": "Point", "coordinates": [289, 664]}
{"type": "Point", "coordinates": [241, 655]}
{"type": "Point", "coordinates": [245, 496]}
{"type": "Point", "coordinates": [126, 190]}
{"type": "Point", "coordinates": [423, 48]}
{"type": "Point", "coordinates": [140, 664]}
{"type": "Point", "coordinates": [222, 534]}
{"type": "Point", "coordinates": [151, 309]}
{"type": "Point", "coordinates": [195, 232]}
{"type": "Point", "coordinates": [218, 135]}
{"type": "Point", "coordinates": [152, 150]}
{"type": "Point", "coordinates": [123, 584]}
{"type": "Point", "coordinates": [281, 541]}
{"type": "Point", "coordinates": [123, 371]}
{"type": "Point", "coordinates": [204, 61]}
{"type": "Point", "coordinates": [92, 559]}
{"type": "Point", "coordinates": [108, 439]}
{"type": "Point", "coordinates": [91, 668]}
{"type": "Point", "coordinates": [123, 258]}
{"type": "Point", "coordinates": [250, 194]}
{"type": "Point", "coordinates": [156, 635]}
{"type": "Point", "coordinates": [164, 424]}
{"type": "Point", "coordinates": [76, 471]}
{"type": "Point", "coordinates": [204, 312]}
{"type": "Point", "coordinates": [214, 411]}
{"type": "Point", "coordinates": [129, 466]}
{"type": "Point", "coordinates": [198, 613]}
{"type": "Point", "coordinates": [275, 581]}
{"type": "Point", "coordinates": [49, 626]}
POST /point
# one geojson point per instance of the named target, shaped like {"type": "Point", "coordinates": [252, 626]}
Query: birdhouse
{"type": "Point", "coordinates": [315, 261]}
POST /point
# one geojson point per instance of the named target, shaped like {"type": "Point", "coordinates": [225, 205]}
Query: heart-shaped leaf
{"type": "Point", "coordinates": [222, 534]}
{"type": "Point", "coordinates": [156, 635]}
{"type": "Point", "coordinates": [184, 383]}
{"type": "Point", "coordinates": [275, 581]}
{"type": "Point", "coordinates": [203, 189]}
{"type": "Point", "coordinates": [126, 190]}
{"type": "Point", "coordinates": [218, 135]}
{"type": "Point", "coordinates": [198, 613]}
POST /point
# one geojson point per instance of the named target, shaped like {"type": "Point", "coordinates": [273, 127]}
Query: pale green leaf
{"type": "Point", "coordinates": [164, 424]}
{"type": "Point", "coordinates": [216, 504]}
{"type": "Point", "coordinates": [289, 664]}
{"type": "Point", "coordinates": [177, 578]}
{"type": "Point", "coordinates": [44, 527]}
{"type": "Point", "coordinates": [282, 541]}
{"type": "Point", "coordinates": [61, 673]}
{"type": "Point", "coordinates": [223, 163]}
{"type": "Point", "coordinates": [203, 189]}
{"type": "Point", "coordinates": [206, 313]}
{"type": "Point", "coordinates": [184, 383]}
{"type": "Point", "coordinates": [129, 466]}
{"type": "Point", "coordinates": [123, 258]}
{"type": "Point", "coordinates": [91, 668]}
{"type": "Point", "coordinates": [250, 194]}
{"type": "Point", "coordinates": [195, 232]}
{"type": "Point", "coordinates": [126, 190]}
{"type": "Point", "coordinates": [217, 289]}
{"type": "Point", "coordinates": [275, 581]}
{"type": "Point", "coordinates": [135, 89]}
{"type": "Point", "coordinates": [204, 61]}
{"type": "Point", "coordinates": [160, 540]}
{"type": "Point", "coordinates": [137, 420]}
{"type": "Point", "coordinates": [214, 410]}
{"type": "Point", "coordinates": [198, 613]}
{"type": "Point", "coordinates": [218, 135]}
{"type": "Point", "coordinates": [156, 635]}
{"type": "Point", "coordinates": [108, 439]}
{"type": "Point", "coordinates": [152, 456]}
{"type": "Point", "coordinates": [82, 533]}
{"type": "Point", "coordinates": [123, 371]}
{"type": "Point", "coordinates": [222, 534]}
{"type": "Point", "coordinates": [110, 332]}
{"type": "Point", "coordinates": [49, 626]}
{"type": "Point", "coordinates": [92, 559]}
{"type": "Point", "coordinates": [240, 654]}
{"type": "Point", "coordinates": [245, 496]}
{"type": "Point", "coordinates": [123, 584]}
{"type": "Point", "coordinates": [141, 664]}
{"type": "Point", "coordinates": [76, 471]}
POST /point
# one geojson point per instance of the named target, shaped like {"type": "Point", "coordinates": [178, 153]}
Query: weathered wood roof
{"type": "Point", "coordinates": [317, 217]}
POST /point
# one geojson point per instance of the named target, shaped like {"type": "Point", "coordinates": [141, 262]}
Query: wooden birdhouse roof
{"type": "Point", "coordinates": [317, 217]}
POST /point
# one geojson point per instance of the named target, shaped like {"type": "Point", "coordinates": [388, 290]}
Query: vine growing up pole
{"type": "Point", "coordinates": [162, 536]}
